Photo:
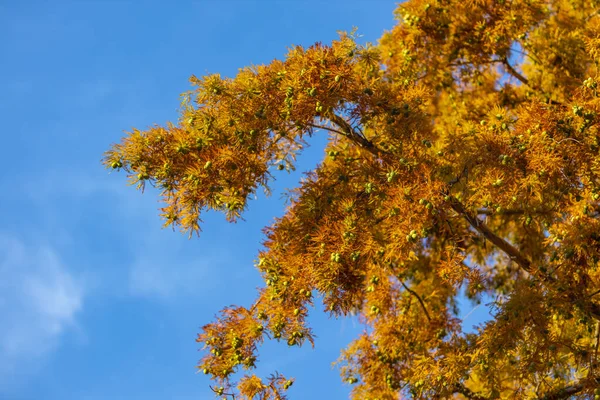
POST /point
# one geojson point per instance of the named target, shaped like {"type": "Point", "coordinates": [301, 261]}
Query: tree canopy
{"type": "Point", "coordinates": [463, 158]}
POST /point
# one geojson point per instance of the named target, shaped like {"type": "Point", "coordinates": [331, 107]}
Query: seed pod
{"type": "Point", "coordinates": [236, 342]}
{"type": "Point", "coordinates": [390, 176]}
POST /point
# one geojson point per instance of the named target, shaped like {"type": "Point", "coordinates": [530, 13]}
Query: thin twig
{"type": "Point", "coordinates": [460, 64]}
{"type": "Point", "coordinates": [529, 54]}
{"type": "Point", "coordinates": [562, 140]}
{"type": "Point", "coordinates": [485, 211]}
{"type": "Point", "coordinates": [326, 128]}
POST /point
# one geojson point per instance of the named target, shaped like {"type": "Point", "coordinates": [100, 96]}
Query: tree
{"type": "Point", "coordinates": [463, 154]}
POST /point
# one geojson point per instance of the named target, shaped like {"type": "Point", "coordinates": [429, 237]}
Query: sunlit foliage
{"type": "Point", "coordinates": [463, 158]}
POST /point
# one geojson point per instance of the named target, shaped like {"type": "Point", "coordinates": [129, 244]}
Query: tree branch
{"type": "Point", "coordinates": [351, 133]}
{"type": "Point", "coordinates": [558, 394]}
{"type": "Point", "coordinates": [468, 393]}
{"type": "Point", "coordinates": [513, 72]}
{"type": "Point", "coordinates": [564, 393]}
{"type": "Point", "coordinates": [485, 211]}
{"type": "Point", "coordinates": [409, 290]}
{"type": "Point", "coordinates": [513, 253]}
{"type": "Point", "coordinates": [592, 15]}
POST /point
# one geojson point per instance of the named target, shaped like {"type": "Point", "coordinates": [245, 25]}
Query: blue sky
{"type": "Point", "coordinates": [96, 300]}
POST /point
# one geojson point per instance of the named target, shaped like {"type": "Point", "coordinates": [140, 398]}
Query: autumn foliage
{"type": "Point", "coordinates": [463, 159]}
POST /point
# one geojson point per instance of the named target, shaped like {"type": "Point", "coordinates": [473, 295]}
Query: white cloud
{"type": "Point", "coordinates": [39, 300]}
{"type": "Point", "coordinates": [160, 263]}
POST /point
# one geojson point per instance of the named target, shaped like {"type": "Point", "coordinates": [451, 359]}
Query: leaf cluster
{"type": "Point", "coordinates": [463, 160]}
